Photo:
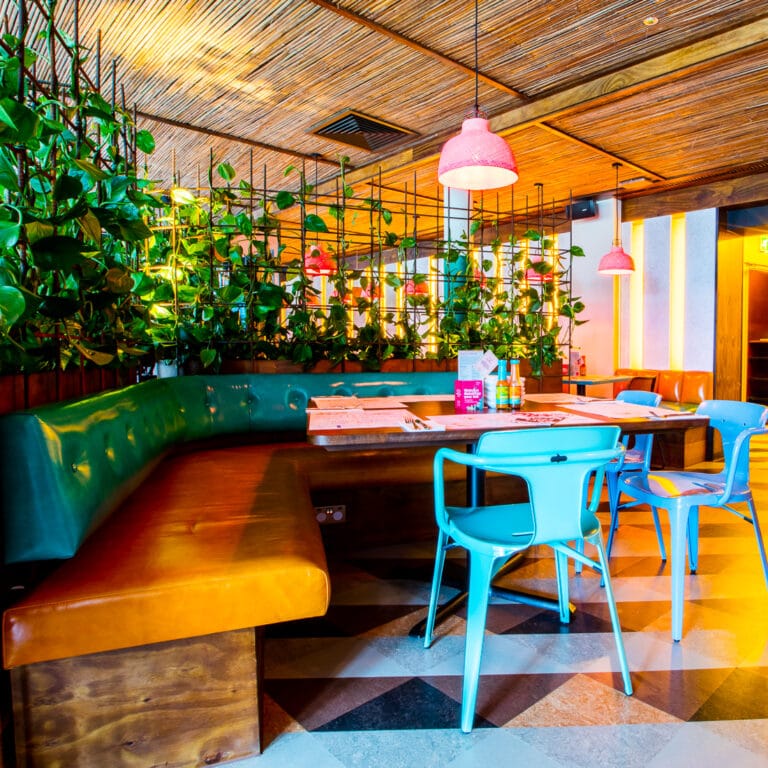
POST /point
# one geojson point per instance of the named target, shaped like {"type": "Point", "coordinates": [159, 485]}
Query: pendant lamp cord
{"type": "Point", "coordinates": [477, 71]}
{"type": "Point", "coordinates": [616, 224]}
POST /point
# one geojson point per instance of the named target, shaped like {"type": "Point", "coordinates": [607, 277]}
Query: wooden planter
{"type": "Point", "coordinates": [19, 391]}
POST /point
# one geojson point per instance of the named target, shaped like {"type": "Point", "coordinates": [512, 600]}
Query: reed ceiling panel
{"type": "Point", "coordinates": [266, 74]}
{"type": "Point", "coordinates": [709, 120]}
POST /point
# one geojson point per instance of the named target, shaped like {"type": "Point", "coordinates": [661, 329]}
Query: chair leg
{"type": "Point", "coordinates": [437, 578]}
{"type": "Point", "coordinates": [659, 536]}
{"type": "Point", "coordinates": [693, 539]}
{"type": "Point", "coordinates": [678, 522]}
{"type": "Point", "coordinates": [603, 557]}
{"type": "Point", "coordinates": [577, 566]}
{"type": "Point", "coordinates": [561, 573]}
{"type": "Point", "coordinates": [613, 504]}
{"type": "Point", "coordinates": [759, 536]}
{"type": "Point", "coordinates": [481, 571]}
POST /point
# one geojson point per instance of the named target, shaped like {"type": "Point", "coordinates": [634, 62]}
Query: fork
{"type": "Point", "coordinates": [415, 420]}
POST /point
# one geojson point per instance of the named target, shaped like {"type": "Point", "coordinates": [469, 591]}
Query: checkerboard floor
{"type": "Point", "coordinates": [354, 689]}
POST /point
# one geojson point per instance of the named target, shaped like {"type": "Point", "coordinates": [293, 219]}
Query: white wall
{"type": "Point", "coordinates": [599, 338]}
{"type": "Point", "coordinates": [595, 337]}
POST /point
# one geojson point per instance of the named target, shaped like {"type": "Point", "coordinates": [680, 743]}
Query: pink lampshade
{"type": "Point", "coordinates": [616, 262]}
{"type": "Point", "coordinates": [476, 159]}
{"type": "Point", "coordinates": [532, 276]}
{"type": "Point", "coordinates": [318, 262]}
{"type": "Point", "coordinates": [416, 289]}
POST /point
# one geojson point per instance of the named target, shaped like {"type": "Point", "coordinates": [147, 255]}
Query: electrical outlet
{"type": "Point", "coordinates": [331, 513]}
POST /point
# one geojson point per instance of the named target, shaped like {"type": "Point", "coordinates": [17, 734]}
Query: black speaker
{"type": "Point", "coordinates": [581, 209]}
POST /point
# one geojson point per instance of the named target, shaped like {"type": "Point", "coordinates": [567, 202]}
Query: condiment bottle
{"type": "Point", "coordinates": [502, 387]}
{"type": "Point", "coordinates": [515, 385]}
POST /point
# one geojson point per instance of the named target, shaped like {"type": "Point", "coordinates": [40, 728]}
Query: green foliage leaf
{"type": "Point", "coordinates": [58, 252]}
{"type": "Point", "coordinates": [163, 292]}
{"type": "Point", "coordinates": [37, 230]}
{"type": "Point", "coordinates": [124, 222]}
{"type": "Point", "coordinates": [244, 224]}
{"type": "Point", "coordinates": [284, 200]}
{"type": "Point", "coordinates": [145, 141]}
{"type": "Point", "coordinates": [91, 169]}
{"type": "Point", "coordinates": [231, 294]}
{"type": "Point", "coordinates": [117, 188]}
{"type": "Point", "coordinates": [182, 196]}
{"type": "Point", "coordinates": [226, 171]}
{"type": "Point", "coordinates": [270, 296]}
{"type": "Point", "coordinates": [187, 294]}
{"type": "Point", "coordinates": [208, 357]}
{"type": "Point", "coordinates": [8, 171]}
{"type": "Point", "coordinates": [12, 305]}
{"type": "Point", "coordinates": [10, 225]}
{"type": "Point", "coordinates": [90, 226]}
{"type": "Point", "coordinates": [95, 356]}
{"type": "Point", "coordinates": [18, 123]}
{"type": "Point", "coordinates": [67, 188]}
{"type": "Point", "coordinates": [119, 280]}
{"type": "Point", "coordinates": [143, 284]}
{"type": "Point", "coordinates": [313, 223]}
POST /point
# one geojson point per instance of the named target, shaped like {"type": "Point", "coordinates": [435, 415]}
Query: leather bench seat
{"type": "Point", "coordinates": [683, 390]}
{"type": "Point", "coordinates": [212, 541]}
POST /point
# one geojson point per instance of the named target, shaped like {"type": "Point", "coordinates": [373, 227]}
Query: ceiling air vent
{"type": "Point", "coordinates": [361, 130]}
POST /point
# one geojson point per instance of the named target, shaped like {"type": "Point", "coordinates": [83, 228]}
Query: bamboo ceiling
{"type": "Point", "coordinates": [574, 86]}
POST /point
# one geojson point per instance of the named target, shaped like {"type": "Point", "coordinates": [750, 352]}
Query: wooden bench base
{"type": "Point", "coordinates": [679, 450]}
{"type": "Point", "coordinates": [184, 703]}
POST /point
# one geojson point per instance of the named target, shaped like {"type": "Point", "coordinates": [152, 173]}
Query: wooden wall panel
{"type": "Point", "coordinates": [728, 335]}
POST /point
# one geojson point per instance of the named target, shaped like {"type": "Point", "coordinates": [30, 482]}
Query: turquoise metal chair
{"type": "Point", "coordinates": [682, 493]}
{"type": "Point", "coordinates": [556, 463]}
{"type": "Point", "coordinates": [635, 459]}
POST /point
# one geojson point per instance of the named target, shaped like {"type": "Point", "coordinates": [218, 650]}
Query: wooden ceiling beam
{"type": "Point", "coordinates": [232, 137]}
{"type": "Point", "coordinates": [594, 148]}
{"type": "Point", "coordinates": [631, 79]}
{"type": "Point", "coordinates": [416, 46]}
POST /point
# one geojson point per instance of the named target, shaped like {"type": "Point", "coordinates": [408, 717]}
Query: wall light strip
{"type": "Point", "coordinates": [636, 298]}
{"type": "Point", "coordinates": [677, 292]}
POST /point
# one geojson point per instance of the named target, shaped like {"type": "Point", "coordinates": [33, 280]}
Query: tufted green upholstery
{"type": "Point", "coordinates": [65, 467]}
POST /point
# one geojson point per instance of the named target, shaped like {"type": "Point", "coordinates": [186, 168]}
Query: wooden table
{"type": "Point", "coordinates": [566, 410]}
{"type": "Point", "coordinates": [582, 382]}
{"type": "Point", "coordinates": [387, 430]}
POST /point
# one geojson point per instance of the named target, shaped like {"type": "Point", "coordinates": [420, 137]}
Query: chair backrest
{"type": "Point", "coordinates": [735, 421]}
{"type": "Point", "coordinates": [556, 463]}
{"type": "Point", "coordinates": [639, 397]}
{"type": "Point", "coordinates": [643, 443]}
{"type": "Point", "coordinates": [642, 383]}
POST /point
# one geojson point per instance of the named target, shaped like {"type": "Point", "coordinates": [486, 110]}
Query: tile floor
{"type": "Point", "coordinates": [353, 689]}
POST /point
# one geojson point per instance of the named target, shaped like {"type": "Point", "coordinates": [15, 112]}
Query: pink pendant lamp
{"type": "Point", "coordinates": [476, 159]}
{"type": "Point", "coordinates": [617, 261]}
{"type": "Point", "coordinates": [318, 262]}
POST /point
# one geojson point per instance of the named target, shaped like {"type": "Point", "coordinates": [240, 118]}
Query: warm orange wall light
{"type": "Point", "coordinates": [635, 316]}
{"type": "Point", "coordinates": [677, 293]}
